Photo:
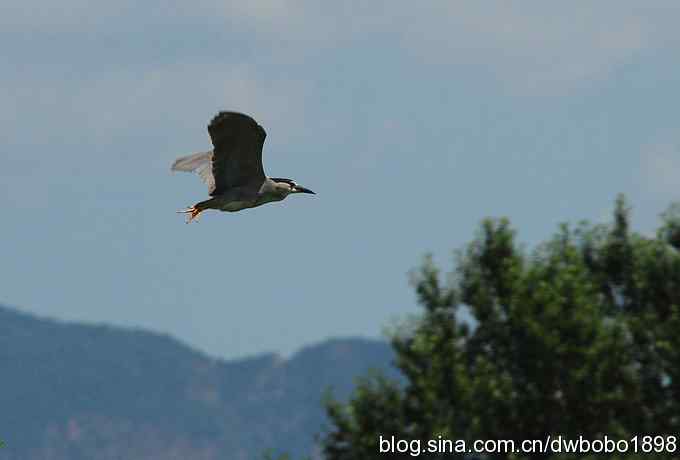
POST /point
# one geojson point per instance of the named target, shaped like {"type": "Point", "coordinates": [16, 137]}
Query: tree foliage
{"type": "Point", "coordinates": [578, 337]}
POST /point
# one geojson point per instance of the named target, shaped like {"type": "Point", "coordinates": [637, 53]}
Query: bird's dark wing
{"type": "Point", "coordinates": [237, 157]}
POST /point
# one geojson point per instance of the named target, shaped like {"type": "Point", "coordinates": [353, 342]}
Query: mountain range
{"type": "Point", "coordinates": [81, 392]}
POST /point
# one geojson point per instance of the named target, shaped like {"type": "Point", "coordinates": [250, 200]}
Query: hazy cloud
{"type": "Point", "coordinates": [530, 45]}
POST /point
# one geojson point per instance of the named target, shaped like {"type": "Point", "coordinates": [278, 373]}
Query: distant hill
{"type": "Point", "coordinates": [81, 392]}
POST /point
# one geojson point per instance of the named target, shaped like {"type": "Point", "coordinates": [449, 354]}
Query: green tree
{"type": "Point", "coordinates": [578, 337]}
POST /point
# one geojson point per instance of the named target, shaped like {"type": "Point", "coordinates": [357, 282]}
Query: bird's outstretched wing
{"type": "Point", "coordinates": [237, 156]}
{"type": "Point", "coordinates": [201, 163]}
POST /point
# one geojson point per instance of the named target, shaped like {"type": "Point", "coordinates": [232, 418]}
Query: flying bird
{"type": "Point", "coordinates": [233, 169]}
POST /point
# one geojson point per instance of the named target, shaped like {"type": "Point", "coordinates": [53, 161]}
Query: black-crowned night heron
{"type": "Point", "coordinates": [233, 169]}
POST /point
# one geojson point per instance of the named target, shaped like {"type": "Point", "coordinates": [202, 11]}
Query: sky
{"type": "Point", "coordinates": [411, 121]}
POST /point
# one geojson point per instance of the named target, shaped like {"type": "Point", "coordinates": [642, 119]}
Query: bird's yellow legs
{"type": "Point", "coordinates": [192, 212]}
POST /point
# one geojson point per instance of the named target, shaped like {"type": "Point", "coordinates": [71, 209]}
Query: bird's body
{"type": "Point", "coordinates": [233, 169]}
{"type": "Point", "coordinates": [238, 198]}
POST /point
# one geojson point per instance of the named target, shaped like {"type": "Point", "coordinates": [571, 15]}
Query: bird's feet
{"type": "Point", "coordinates": [192, 213]}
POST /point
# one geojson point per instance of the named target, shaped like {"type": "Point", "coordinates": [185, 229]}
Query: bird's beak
{"type": "Point", "coordinates": [298, 189]}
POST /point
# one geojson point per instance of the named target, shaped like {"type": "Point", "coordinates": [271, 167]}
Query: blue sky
{"type": "Point", "coordinates": [412, 123]}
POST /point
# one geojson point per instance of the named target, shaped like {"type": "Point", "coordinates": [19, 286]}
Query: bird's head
{"type": "Point", "coordinates": [291, 186]}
